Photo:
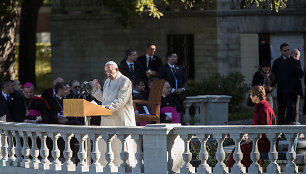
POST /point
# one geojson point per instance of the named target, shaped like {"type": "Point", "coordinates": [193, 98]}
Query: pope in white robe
{"type": "Point", "coordinates": [117, 96]}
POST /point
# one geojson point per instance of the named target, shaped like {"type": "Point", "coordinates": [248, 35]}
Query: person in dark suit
{"type": "Point", "coordinates": [131, 68]}
{"type": "Point", "coordinates": [49, 93]}
{"type": "Point", "coordinates": [175, 75]}
{"type": "Point", "coordinates": [264, 77]}
{"type": "Point", "coordinates": [6, 99]}
{"type": "Point", "coordinates": [285, 50]}
{"type": "Point", "coordinates": [150, 61]}
{"type": "Point", "coordinates": [288, 75]}
{"type": "Point", "coordinates": [29, 108]}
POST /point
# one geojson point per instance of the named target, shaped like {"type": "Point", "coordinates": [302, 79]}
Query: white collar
{"type": "Point", "coordinates": [5, 95]}
{"type": "Point", "coordinates": [134, 91]}
{"type": "Point", "coordinates": [128, 63]}
{"type": "Point", "coordinates": [171, 66]}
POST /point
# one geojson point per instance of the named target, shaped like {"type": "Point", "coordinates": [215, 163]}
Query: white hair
{"type": "Point", "coordinates": [112, 63]}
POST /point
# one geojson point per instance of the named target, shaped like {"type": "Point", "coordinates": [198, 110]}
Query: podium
{"type": "Point", "coordinates": [83, 108]}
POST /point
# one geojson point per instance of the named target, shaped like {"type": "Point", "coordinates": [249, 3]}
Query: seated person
{"type": "Point", "coordinates": [168, 110]}
{"type": "Point", "coordinates": [263, 115]}
{"type": "Point", "coordinates": [29, 108]}
{"type": "Point", "coordinates": [48, 94]}
{"type": "Point", "coordinates": [75, 89]}
{"type": "Point", "coordinates": [56, 107]}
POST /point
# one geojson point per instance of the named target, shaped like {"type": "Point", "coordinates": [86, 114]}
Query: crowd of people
{"type": "Point", "coordinates": [130, 80]}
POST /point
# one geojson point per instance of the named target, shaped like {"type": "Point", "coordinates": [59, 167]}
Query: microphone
{"type": "Point", "coordinates": [81, 94]}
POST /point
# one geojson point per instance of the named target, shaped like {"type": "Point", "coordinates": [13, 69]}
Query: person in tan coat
{"type": "Point", "coordinates": [117, 96]}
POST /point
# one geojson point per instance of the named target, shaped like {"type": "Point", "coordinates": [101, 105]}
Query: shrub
{"type": "Point", "coordinates": [232, 85]}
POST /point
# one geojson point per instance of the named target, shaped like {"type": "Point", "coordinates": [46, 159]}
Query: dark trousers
{"type": "Point", "coordinates": [286, 105]}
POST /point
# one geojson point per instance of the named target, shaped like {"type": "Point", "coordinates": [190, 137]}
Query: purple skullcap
{"type": "Point", "coordinates": [28, 85]}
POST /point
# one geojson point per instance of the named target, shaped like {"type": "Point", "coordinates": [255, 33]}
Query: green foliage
{"type": "Point", "coordinates": [274, 4]}
{"type": "Point", "coordinates": [42, 66]}
{"type": "Point", "coordinates": [232, 85]}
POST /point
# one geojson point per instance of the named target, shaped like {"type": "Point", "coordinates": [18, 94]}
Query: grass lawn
{"type": "Point", "coordinates": [42, 66]}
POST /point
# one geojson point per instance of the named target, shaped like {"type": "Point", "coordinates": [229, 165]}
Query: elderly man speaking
{"type": "Point", "coordinates": [117, 96]}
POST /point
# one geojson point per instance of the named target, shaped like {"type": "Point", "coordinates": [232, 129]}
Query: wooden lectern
{"type": "Point", "coordinates": [83, 108]}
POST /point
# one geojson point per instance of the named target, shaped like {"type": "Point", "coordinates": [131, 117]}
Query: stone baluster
{"type": "Point", "coordinates": [109, 156]}
{"type": "Point", "coordinates": [124, 155]}
{"type": "Point", "coordinates": [255, 168]}
{"type": "Point", "coordinates": [95, 166]}
{"type": "Point", "coordinates": [25, 151]}
{"type": "Point", "coordinates": [238, 167]}
{"type": "Point", "coordinates": [204, 167]}
{"type": "Point", "coordinates": [68, 165]}
{"type": "Point", "coordinates": [197, 113]}
{"type": "Point", "coordinates": [273, 167]}
{"type": "Point", "coordinates": [187, 155]}
{"type": "Point", "coordinates": [220, 155]}
{"type": "Point", "coordinates": [56, 164]}
{"type": "Point", "coordinates": [139, 154]}
{"type": "Point", "coordinates": [0, 144]}
{"type": "Point", "coordinates": [291, 155]}
{"type": "Point", "coordinates": [18, 149]}
{"type": "Point", "coordinates": [82, 154]}
{"type": "Point", "coordinates": [187, 115]}
{"type": "Point", "coordinates": [44, 152]}
{"type": "Point", "coordinates": [4, 149]}
{"type": "Point", "coordinates": [34, 151]}
{"type": "Point", "coordinates": [11, 149]}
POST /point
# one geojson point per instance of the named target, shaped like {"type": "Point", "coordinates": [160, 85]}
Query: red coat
{"type": "Point", "coordinates": [263, 115]}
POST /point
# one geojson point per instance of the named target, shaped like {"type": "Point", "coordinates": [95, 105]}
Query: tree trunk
{"type": "Point", "coordinates": [7, 48]}
{"type": "Point", "coordinates": [27, 48]}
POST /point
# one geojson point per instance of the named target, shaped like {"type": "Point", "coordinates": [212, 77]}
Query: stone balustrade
{"type": "Point", "coordinates": [160, 148]}
{"type": "Point", "coordinates": [209, 109]}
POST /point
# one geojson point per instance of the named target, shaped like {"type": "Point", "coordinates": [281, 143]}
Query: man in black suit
{"type": "Point", "coordinates": [150, 61]}
{"type": "Point", "coordinates": [288, 73]}
{"type": "Point", "coordinates": [175, 75]}
{"type": "Point", "coordinates": [131, 68]}
{"type": "Point", "coordinates": [49, 93]}
{"type": "Point", "coordinates": [6, 99]}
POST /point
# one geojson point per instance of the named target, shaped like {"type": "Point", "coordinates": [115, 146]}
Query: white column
{"type": "Point", "coordinates": [238, 167]}
{"type": "Point", "coordinates": [44, 152]}
{"type": "Point", "coordinates": [68, 165]}
{"type": "Point", "coordinates": [187, 115]}
{"type": "Point", "coordinates": [255, 167]}
{"type": "Point", "coordinates": [273, 167]}
{"type": "Point", "coordinates": [56, 164]}
{"type": "Point", "coordinates": [25, 151]}
{"type": "Point", "coordinates": [139, 155]}
{"type": "Point", "coordinates": [197, 113]}
{"type": "Point", "coordinates": [34, 151]}
{"type": "Point", "coordinates": [4, 149]}
{"type": "Point", "coordinates": [11, 149]}
{"type": "Point", "coordinates": [220, 154]}
{"type": "Point", "coordinates": [124, 155]}
{"type": "Point", "coordinates": [95, 166]}
{"type": "Point", "coordinates": [291, 155]}
{"type": "Point", "coordinates": [18, 149]}
{"type": "Point", "coordinates": [109, 156]}
{"type": "Point", "coordinates": [204, 167]}
{"type": "Point", "coordinates": [187, 155]}
{"type": "Point", "coordinates": [82, 154]}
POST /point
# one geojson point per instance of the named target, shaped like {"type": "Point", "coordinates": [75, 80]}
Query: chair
{"type": "Point", "coordinates": [153, 102]}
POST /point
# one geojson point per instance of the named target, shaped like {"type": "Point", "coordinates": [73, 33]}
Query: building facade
{"type": "Point", "coordinates": [217, 37]}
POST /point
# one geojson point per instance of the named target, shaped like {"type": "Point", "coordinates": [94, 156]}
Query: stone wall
{"type": "Point", "coordinates": [81, 44]}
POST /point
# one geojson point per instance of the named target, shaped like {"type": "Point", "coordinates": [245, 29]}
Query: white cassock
{"type": "Point", "coordinates": [117, 96]}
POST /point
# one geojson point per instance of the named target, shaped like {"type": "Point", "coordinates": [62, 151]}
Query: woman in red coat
{"type": "Point", "coordinates": [263, 115]}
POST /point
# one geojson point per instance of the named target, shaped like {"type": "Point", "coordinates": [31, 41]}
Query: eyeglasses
{"type": "Point", "coordinates": [77, 87]}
